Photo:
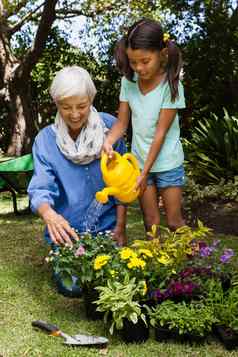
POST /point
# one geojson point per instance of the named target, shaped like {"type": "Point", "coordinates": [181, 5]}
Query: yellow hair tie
{"type": "Point", "coordinates": [166, 37]}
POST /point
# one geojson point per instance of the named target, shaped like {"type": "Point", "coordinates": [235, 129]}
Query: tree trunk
{"type": "Point", "coordinates": [22, 118]}
{"type": "Point", "coordinates": [15, 81]}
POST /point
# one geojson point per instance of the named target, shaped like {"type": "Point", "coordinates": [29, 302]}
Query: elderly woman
{"type": "Point", "coordinates": [66, 163]}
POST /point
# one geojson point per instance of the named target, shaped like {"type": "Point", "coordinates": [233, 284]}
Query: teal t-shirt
{"type": "Point", "coordinates": [145, 111]}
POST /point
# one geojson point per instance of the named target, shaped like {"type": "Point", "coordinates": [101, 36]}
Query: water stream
{"type": "Point", "coordinates": [91, 217]}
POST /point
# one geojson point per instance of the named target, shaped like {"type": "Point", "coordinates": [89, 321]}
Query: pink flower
{"type": "Point", "coordinates": [80, 251]}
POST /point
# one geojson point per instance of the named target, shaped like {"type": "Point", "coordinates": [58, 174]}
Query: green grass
{"type": "Point", "coordinates": [27, 293]}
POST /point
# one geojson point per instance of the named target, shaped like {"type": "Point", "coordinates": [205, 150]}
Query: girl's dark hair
{"type": "Point", "coordinates": [148, 34]}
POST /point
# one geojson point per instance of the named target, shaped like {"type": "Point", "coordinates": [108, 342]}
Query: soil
{"type": "Point", "coordinates": [221, 216]}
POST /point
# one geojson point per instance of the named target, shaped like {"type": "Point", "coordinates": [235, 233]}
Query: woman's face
{"type": "Point", "coordinates": [75, 112]}
{"type": "Point", "coordinates": [146, 63]}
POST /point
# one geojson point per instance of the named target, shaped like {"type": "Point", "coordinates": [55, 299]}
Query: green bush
{"type": "Point", "coordinates": [225, 191]}
{"type": "Point", "coordinates": [212, 149]}
{"type": "Point", "coordinates": [191, 318]}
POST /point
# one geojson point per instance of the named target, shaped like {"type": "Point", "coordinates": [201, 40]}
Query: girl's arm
{"type": "Point", "coordinates": [118, 129]}
{"type": "Point", "coordinates": [165, 120]}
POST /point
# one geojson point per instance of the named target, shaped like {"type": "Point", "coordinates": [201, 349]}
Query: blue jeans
{"type": "Point", "coordinates": [164, 179]}
{"type": "Point", "coordinates": [74, 291]}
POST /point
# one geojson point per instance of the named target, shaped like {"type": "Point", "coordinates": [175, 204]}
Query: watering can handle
{"type": "Point", "coordinates": [133, 160]}
{"type": "Point", "coordinates": [104, 159]}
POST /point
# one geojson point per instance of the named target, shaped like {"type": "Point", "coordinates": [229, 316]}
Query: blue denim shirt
{"type": "Point", "coordinates": [67, 187]}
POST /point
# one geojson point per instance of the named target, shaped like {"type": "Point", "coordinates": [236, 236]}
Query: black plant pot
{"type": "Point", "coordinates": [225, 282]}
{"type": "Point", "coordinates": [192, 339]}
{"type": "Point", "coordinates": [89, 296]}
{"type": "Point", "coordinates": [163, 334]}
{"type": "Point", "coordinates": [227, 336]}
{"type": "Point", "coordinates": [134, 333]}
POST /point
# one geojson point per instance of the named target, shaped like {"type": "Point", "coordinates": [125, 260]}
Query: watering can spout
{"type": "Point", "coordinates": [120, 176]}
{"type": "Point", "coordinates": [102, 196]}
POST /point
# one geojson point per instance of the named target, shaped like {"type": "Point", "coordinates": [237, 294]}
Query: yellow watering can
{"type": "Point", "coordinates": [119, 174]}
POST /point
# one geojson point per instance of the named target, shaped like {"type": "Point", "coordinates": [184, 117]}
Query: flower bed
{"type": "Point", "coordinates": [185, 272]}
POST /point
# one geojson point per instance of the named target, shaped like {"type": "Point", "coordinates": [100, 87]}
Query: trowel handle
{"type": "Point", "coordinates": [45, 326]}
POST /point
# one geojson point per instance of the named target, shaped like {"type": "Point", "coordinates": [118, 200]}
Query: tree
{"type": "Point", "coordinates": [15, 89]}
{"type": "Point", "coordinates": [16, 66]}
{"type": "Point", "coordinates": [210, 45]}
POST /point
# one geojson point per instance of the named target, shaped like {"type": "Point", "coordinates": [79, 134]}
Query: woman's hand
{"type": "Point", "coordinates": [59, 229]}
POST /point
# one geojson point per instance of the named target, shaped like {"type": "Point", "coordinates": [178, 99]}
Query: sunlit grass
{"type": "Point", "coordinates": [28, 293]}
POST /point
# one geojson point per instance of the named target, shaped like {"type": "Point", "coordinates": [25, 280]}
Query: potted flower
{"type": "Point", "coordinates": [177, 290]}
{"type": "Point", "coordinates": [225, 305]}
{"type": "Point", "coordinates": [216, 259]}
{"type": "Point", "coordinates": [182, 321]}
{"type": "Point", "coordinates": [121, 300]}
{"type": "Point", "coordinates": [170, 253]}
{"type": "Point", "coordinates": [84, 261]}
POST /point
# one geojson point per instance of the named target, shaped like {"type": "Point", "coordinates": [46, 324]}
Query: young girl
{"type": "Point", "coordinates": [151, 95]}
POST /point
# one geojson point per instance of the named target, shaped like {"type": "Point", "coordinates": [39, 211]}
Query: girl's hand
{"type": "Point", "coordinates": [141, 183]}
{"type": "Point", "coordinates": [59, 229]}
{"type": "Point", "coordinates": [108, 149]}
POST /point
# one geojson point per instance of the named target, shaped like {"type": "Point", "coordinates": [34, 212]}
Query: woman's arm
{"type": "Point", "coordinates": [118, 129]}
{"type": "Point", "coordinates": [120, 228]}
{"type": "Point", "coordinates": [43, 191]}
{"type": "Point", "coordinates": [166, 118]}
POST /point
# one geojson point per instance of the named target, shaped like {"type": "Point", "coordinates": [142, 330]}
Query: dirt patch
{"type": "Point", "coordinates": [221, 216]}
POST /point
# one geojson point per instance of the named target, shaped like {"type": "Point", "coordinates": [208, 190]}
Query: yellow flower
{"type": "Point", "coordinates": [166, 37]}
{"type": "Point", "coordinates": [136, 263]}
{"type": "Point", "coordinates": [146, 252]}
{"type": "Point", "coordinates": [127, 253]}
{"type": "Point", "coordinates": [100, 261]}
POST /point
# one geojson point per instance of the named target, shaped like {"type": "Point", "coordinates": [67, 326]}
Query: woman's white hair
{"type": "Point", "coordinates": [72, 81]}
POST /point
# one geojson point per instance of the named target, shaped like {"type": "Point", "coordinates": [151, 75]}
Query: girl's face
{"type": "Point", "coordinates": [146, 63]}
{"type": "Point", "coordinates": [75, 112]}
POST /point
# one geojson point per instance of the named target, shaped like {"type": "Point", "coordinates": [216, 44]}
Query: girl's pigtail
{"type": "Point", "coordinates": [174, 66]}
{"type": "Point", "coordinates": [121, 59]}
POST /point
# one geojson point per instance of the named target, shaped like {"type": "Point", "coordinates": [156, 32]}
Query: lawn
{"type": "Point", "coordinates": [27, 293]}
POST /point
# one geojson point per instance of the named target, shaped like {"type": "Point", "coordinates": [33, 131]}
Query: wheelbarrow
{"type": "Point", "coordinates": [15, 174]}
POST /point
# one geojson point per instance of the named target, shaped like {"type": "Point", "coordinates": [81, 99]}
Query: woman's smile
{"type": "Point", "coordinates": [75, 112]}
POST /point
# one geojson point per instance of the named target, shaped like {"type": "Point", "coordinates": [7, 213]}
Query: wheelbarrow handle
{"type": "Point", "coordinates": [45, 326]}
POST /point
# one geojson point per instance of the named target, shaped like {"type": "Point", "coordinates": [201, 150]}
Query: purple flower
{"type": "Point", "coordinates": [206, 251]}
{"type": "Point", "coordinates": [181, 288]}
{"type": "Point", "coordinates": [216, 242]}
{"type": "Point", "coordinates": [202, 244]}
{"type": "Point", "coordinates": [186, 272]}
{"type": "Point", "coordinates": [158, 295]}
{"type": "Point", "coordinates": [80, 251]}
{"type": "Point", "coordinates": [227, 254]}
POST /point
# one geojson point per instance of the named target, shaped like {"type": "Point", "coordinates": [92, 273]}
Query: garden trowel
{"type": "Point", "coordinates": [76, 340]}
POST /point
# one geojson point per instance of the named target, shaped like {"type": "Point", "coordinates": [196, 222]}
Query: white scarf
{"type": "Point", "coordinates": [88, 144]}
